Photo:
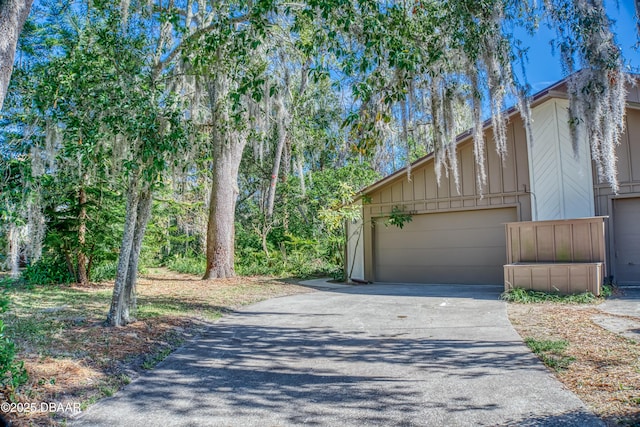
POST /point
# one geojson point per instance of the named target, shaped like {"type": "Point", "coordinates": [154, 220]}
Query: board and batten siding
{"type": "Point", "coordinates": [507, 186]}
{"type": "Point", "coordinates": [628, 154]}
{"type": "Point", "coordinates": [560, 178]}
{"type": "Point", "coordinates": [622, 233]}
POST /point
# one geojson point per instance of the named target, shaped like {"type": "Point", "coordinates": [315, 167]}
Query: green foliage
{"type": "Point", "coordinates": [528, 296]}
{"type": "Point", "coordinates": [398, 217]}
{"type": "Point", "coordinates": [295, 257]}
{"type": "Point", "coordinates": [551, 352]}
{"type": "Point", "coordinates": [293, 264]}
{"type": "Point", "coordinates": [607, 290]}
{"type": "Point", "coordinates": [176, 231]}
{"type": "Point", "coordinates": [47, 271]}
{"type": "Point", "coordinates": [104, 272]}
{"type": "Point", "coordinates": [90, 117]}
{"type": "Point", "coordinates": [12, 372]}
{"type": "Point", "coordinates": [55, 271]}
{"type": "Point", "coordinates": [307, 238]}
{"type": "Point", "coordinates": [187, 265]}
{"type": "Point", "coordinates": [104, 210]}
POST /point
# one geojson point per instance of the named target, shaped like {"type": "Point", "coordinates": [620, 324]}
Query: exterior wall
{"type": "Point", "coordinates": [628, 154]}
{"type": "Point", "coordinates": [560, 179]}
{"type": "Point", "coordinates": [507, 186]}
{"type": "Point", "coordinates": [355, 253]}
{"type": "Point", "coordinates": [559, 184]}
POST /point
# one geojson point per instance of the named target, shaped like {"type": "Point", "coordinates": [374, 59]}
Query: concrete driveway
{"type": "Point", "coordinates": [411, 355]}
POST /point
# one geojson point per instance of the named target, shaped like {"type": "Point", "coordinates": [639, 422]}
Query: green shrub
{"type": "Point", "coordinates": [294, 258]}
{"type": "Point", "coordinates": [251, 262]}
{"type": "Point", "coordinates": [529, 296]}
{"type": "Point", "coordinates": [12, 372]}
{"type": "Point", "coordinates": [104, 272]}
{"type": "Point", "coordinates": [47, 271]}
{"type": "Point", "coordinates": [187, 265]}
{"type": "Point", "coordinates": [607, 290]}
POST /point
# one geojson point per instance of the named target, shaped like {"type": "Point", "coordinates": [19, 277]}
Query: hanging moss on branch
{"type": "Point", "coordinates": [414, 61]}
{"type": "Point", "coordinates": [597, 82]}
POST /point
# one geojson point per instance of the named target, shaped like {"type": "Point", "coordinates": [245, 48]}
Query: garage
{"type": "Point", "coordinates": [626, 226]}
{"type": "Point", "coordinates": [464, 247]}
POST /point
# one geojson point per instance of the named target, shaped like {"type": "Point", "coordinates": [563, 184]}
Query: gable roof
{"type": "Point", "coordinates": [557, 90]}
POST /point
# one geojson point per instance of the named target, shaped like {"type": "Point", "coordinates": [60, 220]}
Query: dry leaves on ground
{"type": "Point", "coordinates": [606, 371]}
{"type": "Point", "coordinates": [80, 360]}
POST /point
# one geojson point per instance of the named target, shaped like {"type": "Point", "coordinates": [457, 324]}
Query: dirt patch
{"type": "Point", "coordinates": [606, 371]}
{"type": "Point", "coordinates": [73, 360]}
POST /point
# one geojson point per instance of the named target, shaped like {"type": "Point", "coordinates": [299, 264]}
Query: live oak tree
{"type": "Point", "coordinates": [218, 49]}
{"type": "Point", "coordinates": [106, 115]}
{"type": "Point", "coordinates": [152, 134]}
{"type": "Point", "coordinates": [13, 14]}
{"type": "Point", "coordinates": [148, 68]}
{"type": "Point", "coordinates": [421, 58]}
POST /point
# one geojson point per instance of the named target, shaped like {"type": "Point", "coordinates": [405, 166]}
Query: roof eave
{"type": "Point", "coordinates": [537, 99]}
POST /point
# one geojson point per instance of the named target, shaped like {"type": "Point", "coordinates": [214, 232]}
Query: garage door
{"type": "Point", "coordinates": [453, 247]}
{"type": "Point", "coordinates": [626, 226]}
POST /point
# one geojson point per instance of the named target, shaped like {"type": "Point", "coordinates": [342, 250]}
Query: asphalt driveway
{"type": "Point", "coordinates": [411, 355]}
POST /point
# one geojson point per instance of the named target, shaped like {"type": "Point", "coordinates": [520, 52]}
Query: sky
{"type": "Point", "coordinates": [544, 68]}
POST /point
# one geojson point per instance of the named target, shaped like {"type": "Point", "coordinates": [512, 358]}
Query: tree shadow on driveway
{"type": "Point", "coordinates": [246, 373]}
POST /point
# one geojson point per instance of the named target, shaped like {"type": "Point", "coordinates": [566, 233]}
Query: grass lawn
{"type": "Point", "coordinates": [73, 360]}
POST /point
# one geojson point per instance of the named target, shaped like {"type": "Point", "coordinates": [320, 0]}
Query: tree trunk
{"type": "Point", "coordinates": [83, 275]}
{"type": "Point", "coordinates": [90, 261]}
{"type": "Point", "coordinates": [300, 166]}
{"type": "Point", "coordinates": [68, 260]}
{"type": "Point", "coordinates": [142, 219]}
{"type": "Point", "coordinates": [228, 145]}
{"type": "Point", "coordinates": [14, 251]}
{"type": "Point", "coordinates": [123, 302]}
{"type": "Point", "coordinates": [222, 207]}
{"type": "Point", "coordinates": [13, 13]}
{"type": "Point", "coordinates": [275, 171]}
{"type": "Point", "coordinates": [116, 316]}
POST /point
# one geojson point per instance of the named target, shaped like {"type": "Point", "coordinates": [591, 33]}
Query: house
{"type": "Point", "coordinates": [460, 238]}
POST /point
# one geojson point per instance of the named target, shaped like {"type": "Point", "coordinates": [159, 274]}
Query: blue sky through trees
{"type": "Point", "coordinates": [543, 68]}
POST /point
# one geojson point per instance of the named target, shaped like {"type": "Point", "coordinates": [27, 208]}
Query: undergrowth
{"type": "Point", "coordinates": [529, 296]}
{"type": "Point", "coordinates": [12, 372]}
{"type": "Point", "coordinates": [256, 263]}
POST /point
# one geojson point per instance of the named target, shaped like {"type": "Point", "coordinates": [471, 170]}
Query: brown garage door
{"type": "Point", "coordinates": [626, 226]}
{"type": "Point", "coordinates": [453, 247]}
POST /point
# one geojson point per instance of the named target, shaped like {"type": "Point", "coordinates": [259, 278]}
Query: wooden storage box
{"type": "Point", "coordinates": [565, 278]}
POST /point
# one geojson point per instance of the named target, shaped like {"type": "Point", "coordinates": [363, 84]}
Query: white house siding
{"type": "Point", "coordinates": [560, 180]}
{"type": "Point", "coordinates": [355, 252]}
